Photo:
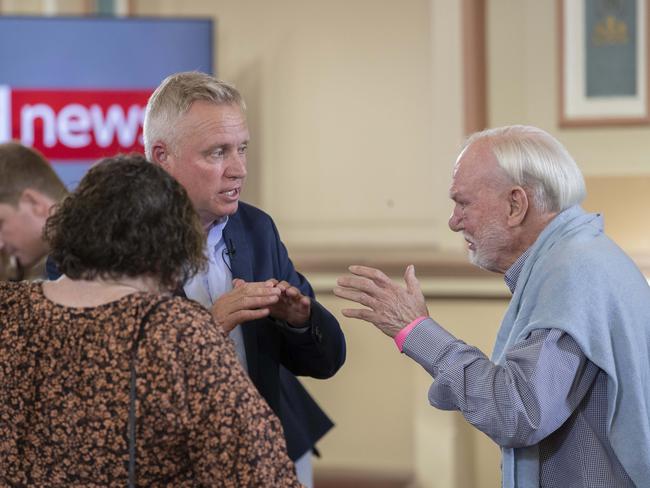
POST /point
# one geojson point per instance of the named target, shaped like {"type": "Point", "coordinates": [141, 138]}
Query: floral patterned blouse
{"type": "Point", "coordinates": [64, 397]}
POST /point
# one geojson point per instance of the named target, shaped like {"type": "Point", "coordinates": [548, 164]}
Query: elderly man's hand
{"type": "Point", "coordinates": [391, 306]}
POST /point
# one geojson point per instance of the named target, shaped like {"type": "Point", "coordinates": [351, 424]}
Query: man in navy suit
{"type": "Point", "coordinates": [196, 130]}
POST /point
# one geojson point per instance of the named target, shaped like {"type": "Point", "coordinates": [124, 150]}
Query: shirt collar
{"type": "Point", "coordinates": [215, 231]}
{"type": "Point", "coordinates": [512, 275]}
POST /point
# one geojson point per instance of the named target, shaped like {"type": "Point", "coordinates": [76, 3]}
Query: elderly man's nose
{"type": "Point", "coordinates": [454, 221]}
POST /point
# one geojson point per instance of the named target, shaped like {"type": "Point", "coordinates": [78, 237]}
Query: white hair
{"type": "Point", "coordinates": [538, 162]}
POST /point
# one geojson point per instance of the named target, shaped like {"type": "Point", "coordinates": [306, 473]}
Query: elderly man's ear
{"type": "Point", "coordinates": [36, 203]}
{"type": "Point", "coordinates": [518, 200]}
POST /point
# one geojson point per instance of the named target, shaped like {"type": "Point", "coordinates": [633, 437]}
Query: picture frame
{"type": "Point", "coordinates": [603, 62]}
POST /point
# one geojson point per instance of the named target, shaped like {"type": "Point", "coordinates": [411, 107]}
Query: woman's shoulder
{"type": "Point", "coordinates": [16, 291]}
{"type": "Point", "coordinates": [16, 303]}
{"type": "Point", "coordinates": [178, 313]}
{"type": "Point", "coordinates": [179, 306]}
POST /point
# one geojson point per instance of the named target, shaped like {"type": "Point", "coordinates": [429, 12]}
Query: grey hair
{"type": "Point", "coordinates": [173, 99]}
{"type": "Point", "coordinates": [538, 162]}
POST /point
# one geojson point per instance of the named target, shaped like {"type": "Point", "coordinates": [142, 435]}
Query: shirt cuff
{"type": "Point", "coordinates": [402, 334]}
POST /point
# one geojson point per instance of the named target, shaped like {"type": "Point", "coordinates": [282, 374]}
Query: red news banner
{"type": "Point", "coordinates": [74, 124]}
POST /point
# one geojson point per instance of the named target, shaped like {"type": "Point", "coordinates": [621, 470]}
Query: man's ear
{"type": "Point", "coordinates": [518, 200]}
{"type": "Point", "coordinates": [38, 203]}
{"type": "Point", "coordinates": [160, 154]}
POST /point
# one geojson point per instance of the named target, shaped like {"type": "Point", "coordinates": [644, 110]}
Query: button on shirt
{"type": "Point", "coordinates": [523, 402]}
{"type": "Point", "coordinates": [216, 280]}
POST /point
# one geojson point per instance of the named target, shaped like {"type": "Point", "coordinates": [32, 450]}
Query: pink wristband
{"type": "Point", "coordinates": [402, 334]}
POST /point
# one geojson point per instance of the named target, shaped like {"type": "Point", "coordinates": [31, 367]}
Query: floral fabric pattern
{"type": "Point", "coordinates": [64, 397]}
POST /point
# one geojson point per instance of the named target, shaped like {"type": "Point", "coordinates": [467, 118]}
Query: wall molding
{"type": "Point", "coordinates": [442, 274]}
{"type": "Point", "coordinates": [446, 275]}
{"type": "Point", "coordinates": [335, 478]}
{"type": "Point", "coordinates": [428, 261]}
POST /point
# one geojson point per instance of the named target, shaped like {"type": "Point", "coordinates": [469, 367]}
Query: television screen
{"type": "Point", "coordinates": [75, 88]}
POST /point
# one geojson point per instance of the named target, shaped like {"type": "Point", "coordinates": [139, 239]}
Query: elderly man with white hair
{"type": "Point", "coordinates": [565, 393]}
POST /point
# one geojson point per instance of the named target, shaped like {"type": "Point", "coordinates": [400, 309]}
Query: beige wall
{"type": "Point", "coordinates": [355, 110]}
{"type": "Point", "coordinates": [342, 112]}
{"type": "Point", "coordinates": [450, 452]}
{"type": "Point", "coordinates": [43, 7]}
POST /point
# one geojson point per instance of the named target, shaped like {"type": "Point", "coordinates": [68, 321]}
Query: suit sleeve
{"type": "Point", "coordinates": [318, 352]}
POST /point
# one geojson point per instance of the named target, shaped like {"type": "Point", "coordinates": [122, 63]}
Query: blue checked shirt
{"type": "Point", "coordinates": [548, 393]}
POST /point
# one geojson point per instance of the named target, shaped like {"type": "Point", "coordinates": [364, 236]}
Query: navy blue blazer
{"type": "Point", "coordinates": [274, 354]}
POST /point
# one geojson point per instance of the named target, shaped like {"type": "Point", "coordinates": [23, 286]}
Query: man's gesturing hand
{"type": "Point", "coordinates": [246, 301]}
{"type": "Point", "coordinates": [391, 306]}
{"type": "Point", "coordinates": [293, 307]}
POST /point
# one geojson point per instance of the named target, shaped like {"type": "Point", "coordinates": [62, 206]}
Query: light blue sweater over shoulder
{"type": "Point", "coordinates": [578, 280]}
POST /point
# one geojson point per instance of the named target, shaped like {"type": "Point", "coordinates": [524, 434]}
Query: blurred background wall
{"type": "Point", "coordinates": [357, 109]}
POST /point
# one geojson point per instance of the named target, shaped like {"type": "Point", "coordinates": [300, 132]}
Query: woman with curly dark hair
{"type": "Point", "coordinates": [105, 378]}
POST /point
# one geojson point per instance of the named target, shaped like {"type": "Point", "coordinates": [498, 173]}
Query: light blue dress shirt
{"type": "Point", "coordinates": [215, 280]}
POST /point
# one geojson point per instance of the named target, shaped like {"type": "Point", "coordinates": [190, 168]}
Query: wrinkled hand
{"type": "Point", "coordinates": [293, 307]}
{"type": "Point", "coordinates": [391, 306]}
{"type": "Point", "coordinates": [246, 301]}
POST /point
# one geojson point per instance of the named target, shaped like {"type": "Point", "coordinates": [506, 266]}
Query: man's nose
{"type": "Point", "coordinates": [454, 221]}
{"type": "Point", "coordinates": [237, 166]}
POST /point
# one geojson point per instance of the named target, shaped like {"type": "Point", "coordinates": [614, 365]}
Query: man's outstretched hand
{"type": "Point", "coordinates": [390, 306]}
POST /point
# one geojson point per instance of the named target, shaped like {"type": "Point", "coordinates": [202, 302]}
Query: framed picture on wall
{"type": "Point", "coordinates": [603, 57]}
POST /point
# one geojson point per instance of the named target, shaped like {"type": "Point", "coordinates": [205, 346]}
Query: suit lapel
{"type": "Point", "coordinates": [241, 264]}
{"type": "Point", "coordinates": [240, 253]}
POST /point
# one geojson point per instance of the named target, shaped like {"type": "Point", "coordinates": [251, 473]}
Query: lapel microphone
{"type": "Point", "coordinates": [230, 249]}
